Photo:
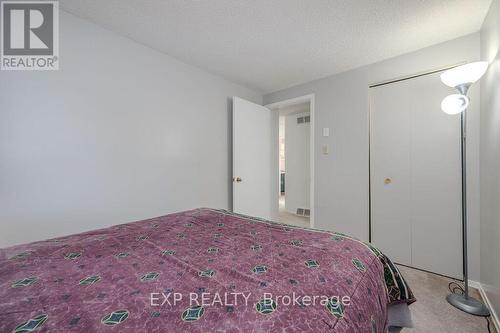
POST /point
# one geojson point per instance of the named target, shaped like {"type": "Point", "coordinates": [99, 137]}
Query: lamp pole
{"type": "Point", "coordinates": [463, 144]}
{"type": "Point", "coordinates": [463, 301]}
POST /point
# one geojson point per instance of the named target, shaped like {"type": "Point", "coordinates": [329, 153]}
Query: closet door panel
{"type": "Point", "coordinates": [435, 180]}
{"type": "Point", "coordinates": [390, 170]}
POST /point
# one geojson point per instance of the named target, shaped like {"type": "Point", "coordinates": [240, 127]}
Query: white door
{"type": "Point", "coordinates": [416, 175]}
{"type": "Point", "coordinates": [252, 159]}
{"type": "Point", "coordinates": [390, 171]}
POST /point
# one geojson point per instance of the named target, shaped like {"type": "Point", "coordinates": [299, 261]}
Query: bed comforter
{"type": "Point", "coordinates": [202, 270]}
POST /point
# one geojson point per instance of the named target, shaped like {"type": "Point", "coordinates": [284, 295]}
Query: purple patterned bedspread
{"type": "Point", "coordinates": [213, 271]}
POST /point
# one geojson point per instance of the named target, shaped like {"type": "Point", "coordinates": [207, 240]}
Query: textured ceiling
{"type": "Point", "coordinates": [273, 44]}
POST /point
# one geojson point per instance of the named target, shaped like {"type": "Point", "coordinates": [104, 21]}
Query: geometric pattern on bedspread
{"type": "Point", "coordinates": [397, 288]}
{"type": "Point", "coordinates": [99, 280]}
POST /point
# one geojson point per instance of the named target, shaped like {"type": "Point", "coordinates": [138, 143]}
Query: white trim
{"type": "Point", "coordinates": [297, 100]}
{"type": "Point", "coordinates": [474, 284]}
{"type": "Point", "coordinates": [411, 76]}
{"type": "Point", "coordinates": [484, 296]}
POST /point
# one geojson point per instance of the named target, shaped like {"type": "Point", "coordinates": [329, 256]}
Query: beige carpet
{"type": "Point", "coordinates": [292, 219]}
{"type": "Point", "coordinates": [289, 218]}
{"type": "Point", "coordinates": [431, 313]}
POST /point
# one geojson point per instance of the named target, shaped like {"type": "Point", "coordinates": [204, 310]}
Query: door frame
{"type": "Point", "coordinates": [374, 85]}
{"type": "Point", "coordinates": [370, 117]}
{"type": "Point", "coordinates": [284, 103]}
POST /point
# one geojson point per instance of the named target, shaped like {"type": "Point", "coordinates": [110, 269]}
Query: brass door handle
{"type": "Point", "coordinates": [237, 179]}
{"type": "Point", "coordinates": [387, 181]}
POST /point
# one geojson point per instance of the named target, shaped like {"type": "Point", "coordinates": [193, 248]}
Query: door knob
{"type": "Point", "coordinates": [387, 181]}
{"type": "Point", "coordinates": [237, 179]}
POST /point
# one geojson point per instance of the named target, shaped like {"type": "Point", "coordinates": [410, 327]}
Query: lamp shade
{"type": "Point", "coordinates": [465, 74]}
{"type": "Point", "coordinates": [455, 103]}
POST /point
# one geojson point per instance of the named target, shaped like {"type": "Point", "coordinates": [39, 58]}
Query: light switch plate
{"type": "Point", "coordinates": [324, 149]}
{"type": "Point", "coordinates": [326, 131]}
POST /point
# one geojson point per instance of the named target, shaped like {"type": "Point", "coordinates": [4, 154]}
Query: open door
{"type": "Point", "coordinates": [252, 164]}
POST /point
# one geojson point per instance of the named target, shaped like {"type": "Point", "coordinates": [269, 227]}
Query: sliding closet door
{"type": "Point", "coordinates": [417, 147]}
{"type": "Point", "coordinates": [436, 181]}
{"type": "Point", "coordinates": [390, 170]}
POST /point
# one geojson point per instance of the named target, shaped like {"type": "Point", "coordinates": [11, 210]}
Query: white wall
{"type": "Point", "coordinates": [121, 132]}
{"type": "Point", "coordinates": [490, 156]}
{"type": "Point", "coordinates": [341, 103]}
{"type": "Point", "coordinates": [297, 156]}
{"type": "Point", "coordinates": [282, 162]}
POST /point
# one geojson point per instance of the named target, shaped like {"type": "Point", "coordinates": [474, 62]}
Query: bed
{"type": "Point", "coordinates": [202, 270]}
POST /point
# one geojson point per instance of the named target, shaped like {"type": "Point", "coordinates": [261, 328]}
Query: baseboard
{"type": "Point", "coordinates": [484, 296]}
{"type": "Point", "coordinates": [475, 284]}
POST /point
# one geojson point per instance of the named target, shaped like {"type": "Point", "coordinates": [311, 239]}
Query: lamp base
{"type": "Point", "coordinates": [468, 304]}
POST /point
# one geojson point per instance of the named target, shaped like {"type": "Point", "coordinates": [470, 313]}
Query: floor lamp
{"type": "Point", "coordinates": [461, 78]}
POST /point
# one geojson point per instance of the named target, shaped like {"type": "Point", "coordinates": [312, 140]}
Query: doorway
{"type": "Point", "coordinates": [294, 129]}
{"type": "Point", "coordinates": [256, 176]}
